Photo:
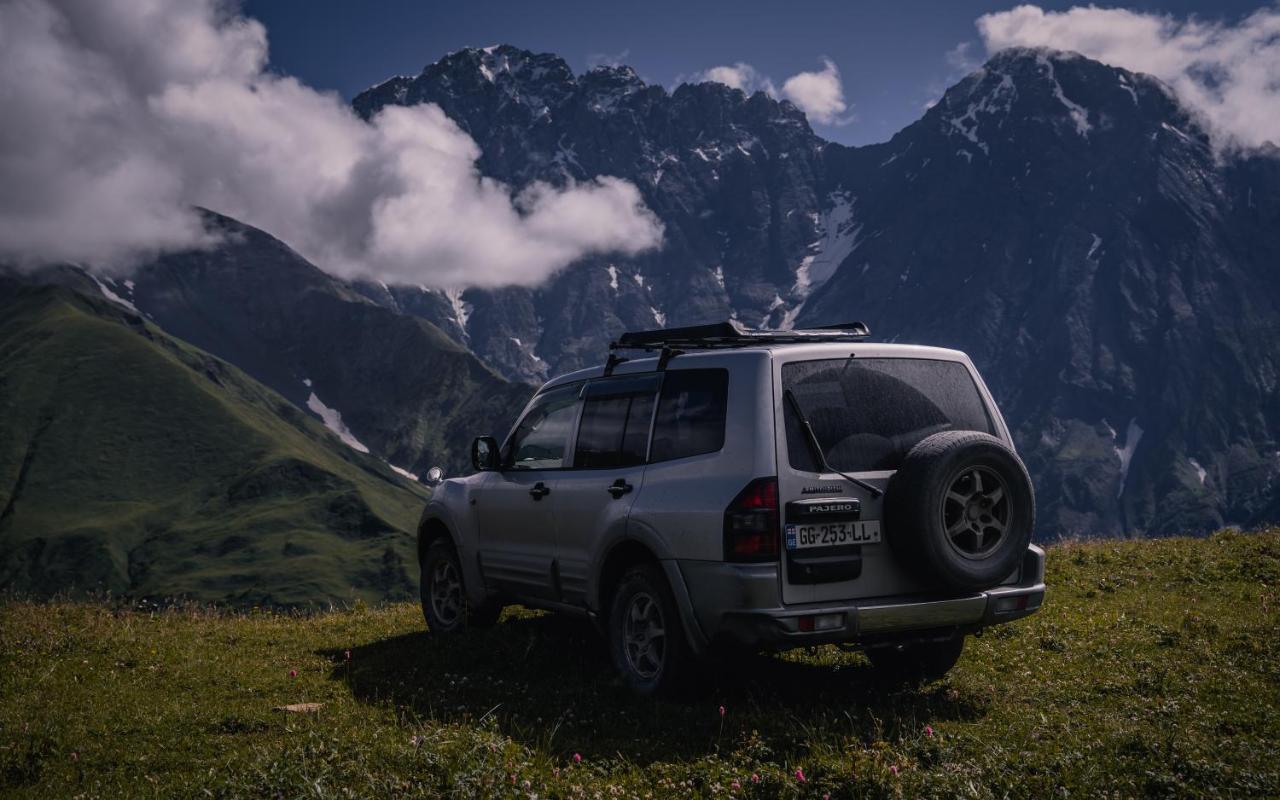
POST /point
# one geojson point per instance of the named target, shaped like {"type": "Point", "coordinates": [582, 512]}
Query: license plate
{"type": "Point", "coordinates": [833, 534]}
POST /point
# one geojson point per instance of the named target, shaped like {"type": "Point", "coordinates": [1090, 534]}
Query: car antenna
{"type": "Point", "coordinates": [817, 448]}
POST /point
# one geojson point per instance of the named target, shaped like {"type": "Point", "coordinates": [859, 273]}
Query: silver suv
{"type": "Point", "coordinates": [755, 489]}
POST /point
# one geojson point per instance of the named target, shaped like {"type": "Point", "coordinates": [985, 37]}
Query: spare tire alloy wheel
{"type": "Point", "coordinates": [975, 511]}
{"type": "Point", "coordinates": [959, 511]}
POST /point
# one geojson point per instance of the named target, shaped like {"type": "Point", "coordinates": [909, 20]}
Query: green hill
{"type": "Point", "coordinates": [134, 463]}
{"type": "Point", "coordinates": [1152, 671]}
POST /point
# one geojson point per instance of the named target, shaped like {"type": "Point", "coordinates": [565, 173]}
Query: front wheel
{"type": "Point", "coordinates": [444, 597]}
{"type": "Point", "coordinates": [646, 638]}
{"type": "Point", "coordinates": [915, 663]}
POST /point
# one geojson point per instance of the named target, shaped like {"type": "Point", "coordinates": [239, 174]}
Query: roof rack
{"type": "Point", "coordinates": [731, 333]}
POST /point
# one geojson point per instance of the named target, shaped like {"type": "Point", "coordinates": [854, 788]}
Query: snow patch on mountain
{"type": "Point", "coordinates": [1093, 248]}
{"type": "Point", "coordinates": [1078, 114]}
{"type": "Point", "coordinates": [613, 276]}
{"type": "Point", "coordinates": [461, 308]}
{"type": "Point", "coordinates": [112, 296]}
{"type": "Point", "coordinates": [1201, 472]}
{"type": "Point", "coordinates": [1132, 435]}
{"type": "Point", "coordinates": [332, 419]}
{"type": "Point", "coordinates": [840, 235]}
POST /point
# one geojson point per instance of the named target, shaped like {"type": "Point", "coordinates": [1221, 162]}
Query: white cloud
{"type": "Point", "coordinates": [738, 76]}
{"type": "Point", "coordinates": [119, 115]}
{"type": "Point", "coordinates": [1228, 74]}
{"type": "Point", "coordinates": [819, 94]}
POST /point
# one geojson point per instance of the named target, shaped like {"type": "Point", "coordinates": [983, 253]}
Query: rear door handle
{"type": "Point", "coordinates": [619, 488]}
{"type": "Point", "coordinates": [540, 490]}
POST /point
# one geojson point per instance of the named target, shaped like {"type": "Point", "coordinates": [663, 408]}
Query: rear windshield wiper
{"type": "Point", "coordinates": [816, 448]}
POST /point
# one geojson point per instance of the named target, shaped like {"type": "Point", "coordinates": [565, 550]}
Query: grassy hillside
{"type": "Point", "coordinates": [134, 463]}
{"type": "Point", "coordinates": [1154, 670]}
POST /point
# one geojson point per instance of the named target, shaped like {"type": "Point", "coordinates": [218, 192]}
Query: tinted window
{"type": "Point", "coordinates": [614, 431]}
{"type": "Point", "coordinates": [867, 413]}
{"type": "Point", "coordinates": [539, 441]}
{"type": "Point", "coordinates": [691, 412]}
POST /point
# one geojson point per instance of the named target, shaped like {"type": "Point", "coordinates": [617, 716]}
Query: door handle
{"type": "Point", "coordinates": [539, 490]}
{"type": "Point", "coordinates": [619, 488]}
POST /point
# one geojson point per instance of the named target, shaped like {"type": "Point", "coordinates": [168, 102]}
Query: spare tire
{"type": "Point", "coordinates": [960, 510]}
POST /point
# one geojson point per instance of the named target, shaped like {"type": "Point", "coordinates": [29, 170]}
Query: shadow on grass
{"type": "Point", "coordinates": [548, 682]}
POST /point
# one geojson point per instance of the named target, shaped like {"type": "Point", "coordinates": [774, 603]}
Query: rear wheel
{"type": "Point", "coordinates": [915, 663]}
{"type": "Point", "coordinates": [444, 597]}
{"type": "Point", "coordinates": [646, 638]}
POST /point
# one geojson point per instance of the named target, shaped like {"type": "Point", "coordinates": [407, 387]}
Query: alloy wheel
{"type": "Point", "coordinates": [975, 511]}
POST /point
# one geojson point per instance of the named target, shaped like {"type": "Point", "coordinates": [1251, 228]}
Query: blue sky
{"type": "Point", "coordinates": [892, 56]}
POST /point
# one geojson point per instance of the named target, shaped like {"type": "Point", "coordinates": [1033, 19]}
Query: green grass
{"type": "Point", "coordinates": [133, 463]}
{"type": "Point", "coordinates": [1153, 670]}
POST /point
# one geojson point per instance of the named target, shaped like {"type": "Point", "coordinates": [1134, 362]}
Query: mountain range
{"type": "Point", "coordinates": [1067, 223]}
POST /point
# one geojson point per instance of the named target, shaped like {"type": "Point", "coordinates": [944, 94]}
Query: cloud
{"type": "Point", "coordinates": [1227, 73]}
{"type": "Point", "coordinates": [961, 58]}
{"type": "Point", "coordinates": [819, 94]}
{"type": "Point", "coordinates": [738, 76]}
{"type": "Point", "coordinates": [121, 115]}
{"type": "Point", "coordinates": [618, 59]}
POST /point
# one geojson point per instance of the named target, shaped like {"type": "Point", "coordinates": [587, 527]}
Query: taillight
{"type": "Point", "coordinates": [751, 523]}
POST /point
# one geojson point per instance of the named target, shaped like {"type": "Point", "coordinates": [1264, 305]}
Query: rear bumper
{"type": "Point", "coordinates": [740, 604]}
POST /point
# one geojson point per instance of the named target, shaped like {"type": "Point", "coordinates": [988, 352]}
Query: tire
{"type": "Point", "coordinates": [649, 665]}
{"type": "Point", "coordinates": [960, 511]}
{"type": "Point", "coordinates": [915, 663]}
{"type": "Point", "coordinates": [444, 596]}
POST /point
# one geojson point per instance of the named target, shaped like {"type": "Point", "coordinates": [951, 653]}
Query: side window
{"type": "Point", "coordinates": [614, 431]}
{"type": "Point", "coordinates": [539, 441]}
{"type": "Point", "coordinates": [691, 413]}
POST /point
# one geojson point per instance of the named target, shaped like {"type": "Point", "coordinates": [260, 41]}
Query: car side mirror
{"type": "Point", "coordinates": [484, 453]}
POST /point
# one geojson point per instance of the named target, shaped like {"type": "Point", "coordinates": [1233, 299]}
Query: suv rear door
{"type": "Point", "coordinates": [595, 496]}
{"type": "Point", "coordinates": [866, 414]}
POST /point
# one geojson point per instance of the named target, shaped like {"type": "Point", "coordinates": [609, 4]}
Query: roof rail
{"type": "Point", "coordinates": [731, 333]}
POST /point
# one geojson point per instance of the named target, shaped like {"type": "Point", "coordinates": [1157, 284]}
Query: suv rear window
{"type": "Point", "coordinates": [867, 413]}
{"type": "Point", "coordinates": [616, 414]}
{"type": "Point", "coordinates": [691, 413]}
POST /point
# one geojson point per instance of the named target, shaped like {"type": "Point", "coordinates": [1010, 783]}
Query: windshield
{"type": "Point", "coordinates": [867, 413]}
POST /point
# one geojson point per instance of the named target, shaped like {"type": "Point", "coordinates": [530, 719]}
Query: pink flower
{"type": "Point", "coordinates": [755, 777]}
{"type": "Point", "coordinates": [735, 785]}
{"type": "Point", "coordinates": [293, 673]}
{"type": "Point", "coordinates": [928, 730]}
{"type": "Point", "coordinates": [894, 769]}
{"type": "Point", "coordinates": [800, 775]}
{"type": "Point", "coordinates": [577, 758]}
{"type": "Point", "coordinates": [721, 711]}
{"type": "Point", "coordinates": [826, 796]}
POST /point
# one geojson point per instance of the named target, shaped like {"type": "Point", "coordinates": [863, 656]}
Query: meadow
{"type": "Point", "coordinates": [1153, 671]}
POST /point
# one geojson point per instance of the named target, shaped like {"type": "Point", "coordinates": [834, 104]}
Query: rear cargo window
{"type": "Point", "coordinates": [691, 412]}
{"type": "Point", "coordinates": [867, 413]}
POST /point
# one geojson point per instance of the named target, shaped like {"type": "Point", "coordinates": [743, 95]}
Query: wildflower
{"type": "Point", "coordinates": [577, 758]}
{"type": "Point", "coordinates": [75, 756]}
{"type": "Point", "coordinates": [894, 770]}
{"type": "Point", "coordinates": [722, 711]}
{"type": "Point", "coordinates": [736, 786]}
{"type": "Point", "coordinates": [293, 673]}
{"type": "Point", "coordinates": [928, 730]}
{"type": "Point", "coordinates": [800, 775]}
{"type": "Point", "coordinates": [755, 777]}
{"type": "Point", "coordinates": [826, 796]}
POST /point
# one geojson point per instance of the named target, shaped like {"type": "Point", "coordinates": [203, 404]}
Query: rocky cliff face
{"type": "Point", "coordinates": [1065, 222]}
